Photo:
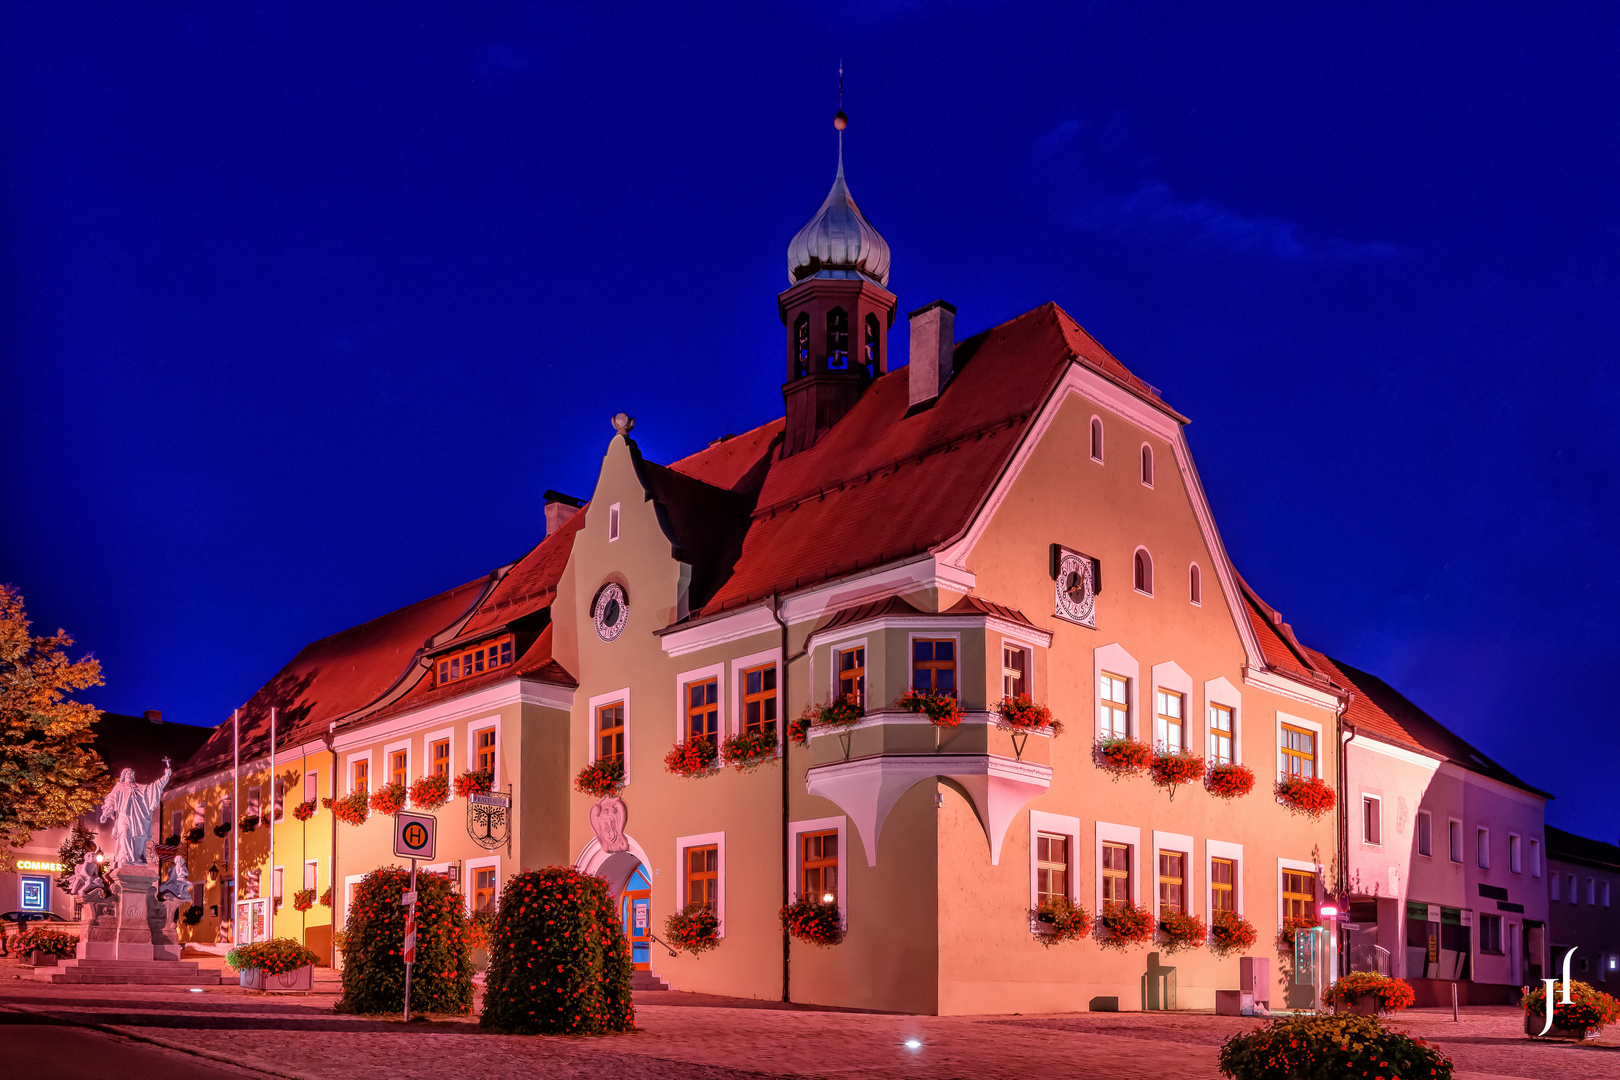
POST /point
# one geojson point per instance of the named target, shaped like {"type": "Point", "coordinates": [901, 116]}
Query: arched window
{"type": "Point", "coordinates": [1144, 571]}
{"type": "Point", "coordinates": [1195, 585]}
{"type": "Point", "coordinates": [801, 345]}
{"type": "Point", "coordinates": [1147, 464]}
{"type": "Point", "coordinates": [1096, 438]}
{"type": "Point", "coordinates": [869, 354]}
{"type": "Point", "coordinates": [837, 340]}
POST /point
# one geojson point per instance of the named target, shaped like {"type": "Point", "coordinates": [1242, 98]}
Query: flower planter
{"type": "Point", "coordinates": [1534, 1021]}
{"type": "Point", "coordinates": [42, 959]}
{"type": "Point", "coordinates": [1365, 1005]}
{"type": "Point", "coordinates": [298, 980]}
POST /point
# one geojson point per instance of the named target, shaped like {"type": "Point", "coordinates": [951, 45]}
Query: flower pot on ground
{"type": "Point", "coordinates": [1058, 919]}
{"type": "Point", "coordinates": [1124, 926]}
{"type": "Point", "coordinates": [814, 922]}
{"type": "Point", "coordinates": [748, 750]}
{"type": "Point", "coordinates": [195, 835]}
{"type": "Point", "coordinates": [1121, 758]}
{"type": "Point", "coordinates": [1171, 769]}
{"type": "Point", "coordinates": [942, 710]}
{"type": "Point", "coordinates": [694, 929]}
{"type": "Point", "coordinates": [1588, 1012]}
{"type": "Point", "coordinates": [304, 810]}
{"type": "Point", "coordinates": [46, 944]}
{"type": "Point", "coordinates": [1328, 1048]}
{"type": "Point", "coordinates": [350, 809]}
{"type": "Point", "coordinates": [1312, 797]}
{"type": "Point", "coordinates": [1182, 932]}
{"type": "Point", "coordinates": [474, 782]}
{"type": "Point", "coordinates": [303, 899]}
{"type": "Point", "coordinates": [280, 964]}
{"type": "Point", "coordinates": [1230, 933]}
{"type": "Point", "coordinates": [600, 778]}
{"type": "Point", "coordinates": [389, 799]}
{"type": "Point", "coordinates": [696, 756]}
{"type": "Point", "coordinates": [1229, 781]}
{"type": "Point", "coordinates": [1365, 993]}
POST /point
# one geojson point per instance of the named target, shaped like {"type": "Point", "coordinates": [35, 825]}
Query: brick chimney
{"type": "Point", "coordinates": [933, 347]}
{"type": "Point", "coordinates": [154, 716]}
{"type": "Point", "coordinates": [559, 508]}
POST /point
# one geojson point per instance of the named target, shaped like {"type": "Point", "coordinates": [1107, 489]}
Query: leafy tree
{"type": "Point", "coordinates": [80, 842]}
{"type": "Point", "coordinates": [49, 774]}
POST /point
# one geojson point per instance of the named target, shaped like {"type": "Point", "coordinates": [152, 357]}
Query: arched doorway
{"type": "Point", "coordinates": [635, 911]}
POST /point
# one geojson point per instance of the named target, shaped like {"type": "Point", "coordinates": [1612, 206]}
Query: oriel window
{"type": "Point", "coordinates": [703, 876]}
{"type": "Point", "coordinates": [852, 674]}
{"type": "Point", "coordinates": [818, 866]}
{"type": "Point", "coordinates": [1116, 870]}
{"type": "Point", "coordinates": [1051, 867]}
{"type": "Point", "coordinates": [1173, 882]}
{"type": "Point", "coordinates": [759, 700]}
{"type": "Point", "coordinates": [837, 340]}
{"type": "Point", "coordinates": [610, 732]}
{"type": "Point", "coordinates": [1222, 879]}
{"type": "Point", "coordinates": [933, 666]}
{"type": "Point", "coordinates": [1115, 707]}
{"type": "Point", "coordinates": [1220, 735]}
{"type": "Point", "coordinates": [1299, 752]}
{"type": "Point", "coordinates": [703, 710]}
{"type": "Point", "coordinates": [1014, 671]}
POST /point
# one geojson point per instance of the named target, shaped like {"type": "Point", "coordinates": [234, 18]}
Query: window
{"type": "Point", "coordinates": [1490, 934]}
{"type": "Point", "coordinates": [1172, 882]}
{"type": "Point", "coordinates": [359, 775]}
{"type": "Point", "coordinates": [1483, 840]}
{"type": "Point", "coordinates": [1115, 707]}
{"type": "Point", "coordinates": [852, 674]}
{"type": "Point", "coordinates": [253, 800]}
{"type": "Point", "coordinates": [1605, 894]}
{"type": "Point", "coordinates": [278, 797]}
{"type": "Point", "coordinates": [1144, 572]}
{"type": "Point", "coordinates": [1515, 859]}
{"type": "Point", "coordinates": [1455, 841]}
{"type": "Point", "coordinates": [311, 871]}
{"type": "Point", "coordinates": [486, 751]}
{"type": "Point", "coordinates": [275, 885]}
{"type": "Point", "coordinates": [1167, 720]}
{"type": "Point", "coordinates": [174, 822]}
{"type": "Point", "coordinates": [801, 345]}
{"type": "Point", "coordinates": [613, 523]}
{"type": "Point", "coordinates": [1147, 465]}
{"type": "Point", "coordinates": [610, 732]}
{"type": "Point", "coordinates": [837, 340]}
{"type": "Point", "coordinates": [1299, 895]}
{"type": "Point", "coordinates": [818, 866]}
{"type": "Point", "coordinates": [1222, 876]}
{"type": "Point", "coordinates": [1535, 858]}
{"type": "Point", "coordinates": [1299, 752]}
{"type": "Point", "coordinates": [399, 767]}
{"type": "Point", "coordinates": [1051, 867]}
{"type": "Point", "coordinates": [1372, 820]}
{"type": "Point", "coordinates": [703, 876]}
{"type": "Point", "coordinates": [439, 757]}
{"type": "Point", "coordinates": [703, 710]}
{"type": "Point", "coordinates": [1116, 872]}
{"type": "Point", "coordinates": [312, 786]}
{"type": "Point", "coordinates": [1425, 833]}
{"type": "Point", "coordinates": [933, 666]}
{"type": "Point", "coordinates": [1574, 890]}
{"type": "Point", "coordinates": [1195, 585]}
{"type": "Point", "coordinates": [1591, 890]}
{"type": "Point", "coordinates": [759, 700]}
{"type": "Point", "coordinates": [1096, 439]}
{"type": "Point", "coordinates": [486, 656]}
{"type": "Point", "coordinates": [869, 350]}
{"type": "Point", "coordinates": [1014, 671]}
{"type": "Point", "coordinates": [1554, 884]}
{"type": "Point", "coordinates": [483, 896]}
{"type": "Point", "coordinates": [1220, 735]}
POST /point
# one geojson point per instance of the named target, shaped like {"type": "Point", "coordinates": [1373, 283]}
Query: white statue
{"type": "Point", "coordinates": [131, 806]}
{"type": "Point", "coordinates": [176, 884]}
{"type": "Point", "coordinates": [86, 881]}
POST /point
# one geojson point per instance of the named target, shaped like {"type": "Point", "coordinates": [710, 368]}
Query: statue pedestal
{"type": "Point", "coordinates": [133, 924]}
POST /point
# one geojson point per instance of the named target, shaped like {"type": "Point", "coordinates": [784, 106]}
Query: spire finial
{"type": "Point", "coordinates": [840, 121]}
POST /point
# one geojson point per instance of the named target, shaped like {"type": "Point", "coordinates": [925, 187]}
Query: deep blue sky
{"type": "Point", "coordinates": [301, 309]}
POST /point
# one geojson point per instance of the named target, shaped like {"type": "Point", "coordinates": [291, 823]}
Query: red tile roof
{"type": "Point", "coordinates": [728, 463]}
{"type": "Point", "coordinates": [896, 605]}
{"type": "Point", "coordinates": [532, 583]}
{"type": "Point", "coordinates": [536, 663]}
{"type": "Point", "coordinates": [1279, 647]}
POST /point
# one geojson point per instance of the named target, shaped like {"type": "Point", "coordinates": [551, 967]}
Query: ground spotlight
{"type": "Point", "coordinates": [913, 1044]}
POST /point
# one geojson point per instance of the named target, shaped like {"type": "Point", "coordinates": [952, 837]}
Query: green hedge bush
{"type": "Point", "coordinates": [559, 962]}
{"type": "Point", "coordinates": [374, 941]}
{"type": "Point", "coordinates": [1329, 1048]}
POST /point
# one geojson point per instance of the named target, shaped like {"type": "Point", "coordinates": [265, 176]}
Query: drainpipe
{"type": "Point", "coordinates": [787, 845]}
{"type": "Point", "coordinates": [1343, 883]}
{"type": "Point", "coordinates": [332, 870]}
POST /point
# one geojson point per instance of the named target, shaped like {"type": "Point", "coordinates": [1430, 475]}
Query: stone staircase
{"type": "Point", "coordinates": [647, 980]}
{"type": "Point", "coordinates": [138, 972]}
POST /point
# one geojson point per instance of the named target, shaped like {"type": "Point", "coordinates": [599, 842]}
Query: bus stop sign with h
{"type": "Point", "coordinates": [415, 837]}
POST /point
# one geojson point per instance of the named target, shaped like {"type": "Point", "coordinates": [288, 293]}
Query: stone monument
{"type": "Point", "coordinates": [134, 921]}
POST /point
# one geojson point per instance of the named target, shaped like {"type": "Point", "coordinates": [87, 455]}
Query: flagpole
{"type": "Point", "coordinates": [270, 921]}
{"type": "Point", "coordinates": [236, 802]}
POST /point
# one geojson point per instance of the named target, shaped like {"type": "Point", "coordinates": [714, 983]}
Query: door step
{"type": "Point", "coordinates": [647, 980]}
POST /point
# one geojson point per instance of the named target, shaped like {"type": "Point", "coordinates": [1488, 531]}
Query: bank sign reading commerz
{"type": "Point", "coordinates": [48, 867]}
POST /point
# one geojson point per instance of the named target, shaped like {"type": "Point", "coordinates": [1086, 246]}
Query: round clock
{"type": "Point", "coordinates": [1076, 594]}
{"type": "Point", "coordinates": [610, 611]}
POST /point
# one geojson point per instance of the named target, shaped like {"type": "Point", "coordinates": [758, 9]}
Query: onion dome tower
{"type": "Point", "coordinates": [837, 311]}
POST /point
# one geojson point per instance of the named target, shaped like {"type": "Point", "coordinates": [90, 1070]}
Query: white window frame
{"type": "Point", "coordinates": [389, 749]}
{"type": "Point", "coordinates": [717, 672]}
{"type": "Point", "coordinates": [348, 771]}
{"type": "Point", "coordinates": [1148, 457]}
{"type": "Point", "coordinates": [1482, 847]}
{"type": "Point", "coordinates": [742, 664]}
{"type": "Point", "coordinates": [1591, 891]}
{"type": "Point", "coordinates": [278, 883]}
{"type": "Point", "coordinates": [1416, 847]}
{"type": "Point", "coordinates": [1515, 853]}
{"type": "Point", "coordinates": [255, 802]}
{"type": "Point", "coordinates": [911, 638]}
{"type": "Point", "coordinates": [1552, 886]}
{"type": "Point", "coordinates": [1152, 572]}
{"type": "Point", "coordinates": [1017, 645]}
{"type": "Point", "coordinates": [1605, 895]}
{"type": "Point", "coordinates": [1102, 439]}
{"type": "Point", "coordinates": [176, 816]}
{"type": "Point", "coordinates": [431, 737]}
{"type": "Point", "coordinates": [1378, 811]}
{"type": "Point", "coordinates": [1113, 658]}
{"type": "Point", "coordinates": [1301, 866]}
{"type": "Point", "coordinates": [613, 522]}
{"type": "Point", "coordinates": [1222, 692]}
{"type": "Point", "coordinates": [1221, 849]}
{"type": "Point", "coordinates": [1195, 574]}
{"type": "Point", "coordinates": [718, 839]}
{"type": "Point", "coordinates": [1170, 676]}
{"type": "Point", "coordinates": [469, 867]}
{"type": "Point", "coordinates": [199, 814]}
{"type": "Point", "coordinates": [1056, 825]}
{"type": "Point", "coordinates": [796, 829]}
{"type": "Point", "coordinates": [1110, 833]}
{"type": "Point", "coordinates": [1574, 889]}
{"type": "Point", "coordinates": [1535, 857]}
{"type": "Point", "coordinates": [473, 729]}
{"type": "Point", "coordinates": [593, 743]}
{"type": "Point", "coordinates": [278, 799]}
{"type": "Point", "coordinates": [1178, 844]}
{"type": "Point", "coordinates": [312, 875]}
{"type": "Point", "coordinates": [1455, 853]}
{"type": "Point", "coordinates": [844, 645]}
{"type": "Point", "coordinates": [312, 779]}
{"type": "Point", "coordinates": [1299, 722]}
{"type": "Point", "coordinates": [349, 882]}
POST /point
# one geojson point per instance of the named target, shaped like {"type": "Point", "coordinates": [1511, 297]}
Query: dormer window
{"type": "Point", "coordinates": [837, 340]}
{"type": "Point", "coordinates": [869, 352]}
{"type": "Point", "coordinates": [801, 345]}
{"type": "Point", "coordinates": [485, 656]}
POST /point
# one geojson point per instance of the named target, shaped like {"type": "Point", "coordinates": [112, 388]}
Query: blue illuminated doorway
{"type": "Point", "coordinates": [636, 911]}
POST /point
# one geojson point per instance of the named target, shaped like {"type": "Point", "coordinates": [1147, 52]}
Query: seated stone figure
{"type": "Point", "coordinates": [86, 883]}
{"type": "Point", "coordinates": [176, 886]}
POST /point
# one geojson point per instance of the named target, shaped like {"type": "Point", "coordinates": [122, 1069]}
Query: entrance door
{"type": "Point", "coordinates": [636, 911]}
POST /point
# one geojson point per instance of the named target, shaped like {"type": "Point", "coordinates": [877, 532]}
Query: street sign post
{"type": "Point", "coordinates": [415, 837]}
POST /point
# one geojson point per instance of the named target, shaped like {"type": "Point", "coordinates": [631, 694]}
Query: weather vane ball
{"type": "Point", "coordinates": [623, 423]}
{"type": "Point", "coordinates": [840, 121]}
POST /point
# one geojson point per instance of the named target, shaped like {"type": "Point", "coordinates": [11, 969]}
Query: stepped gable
{"type": "Point", "coordinates": [705, 524]}
{"type": "Point", "coordinates": [336, 676]}
{"type": "Point", "coordinates": [1420, 728]}
{"type": "Point", "coordinates": [531, 584]}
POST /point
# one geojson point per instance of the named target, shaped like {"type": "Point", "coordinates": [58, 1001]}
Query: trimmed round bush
{"type": "Point", "coordinates": [1329, 1048]}
{"type": "Point", "coordinates": [374, 943]}
{"type": "Point", "coordinates": [559, 962]}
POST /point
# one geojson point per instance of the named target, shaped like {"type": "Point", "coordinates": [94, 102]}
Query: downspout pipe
{"type": "Point", "coordinates": [787, 839]}
{"type": "Point", "coordinates": [332, 871]}
{"type": "Point", "coordinates": [1343, 884]}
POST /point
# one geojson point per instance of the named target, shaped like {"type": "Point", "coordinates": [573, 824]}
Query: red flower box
{"type": "Point", "coordinates": [814, 922]}
{"type": "Point", "coordinates": [942, 710]}
{"type": "Point", "coordinates": [1292, 924]}
{"type": "Point", "coordinates": [1183, 932]}
{"type": "Point", "coordinates": [1230, 933]}
{"type": "Point", "coordinates": [304, 810]}
{"type": "Point", "coordinates": [748, 750]}
{"type": "Point", "coordinates": [1059, 919]}
{"type": "Point", "coordinates": [388, 799]}
{"type": "Point", "coordinates": [1310, 797]}
{"type": "Point", "coordinates": [1123, 757]}
{"type": "Point", "coordinates": [430, 792]}
{"type": "Point", "coordinates": [1386, 994]}
{"type": "Point", "coordinates": [1127, 925]}
{"type": "Point", "coordinates": [474, 782]}
{"type": "Point", "coordinates": [600, 778]}
{"type": "Point", "coordinates": [696, 756]}
{"type": "Point", "coordinates": [303, 899]}
{"type": "Point", "coordinates": [351, 809]}
{"type": "Point", "coordinates": [1229, 781]}
{"type": "Point", "coordinates": [799, 728]}
{"type": "Point", "coordinates": [1023, 714]}
{"type": "Point", "coordinates": [1171, 770]}
{"type": "Point", "coordinates": [694, 929]}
